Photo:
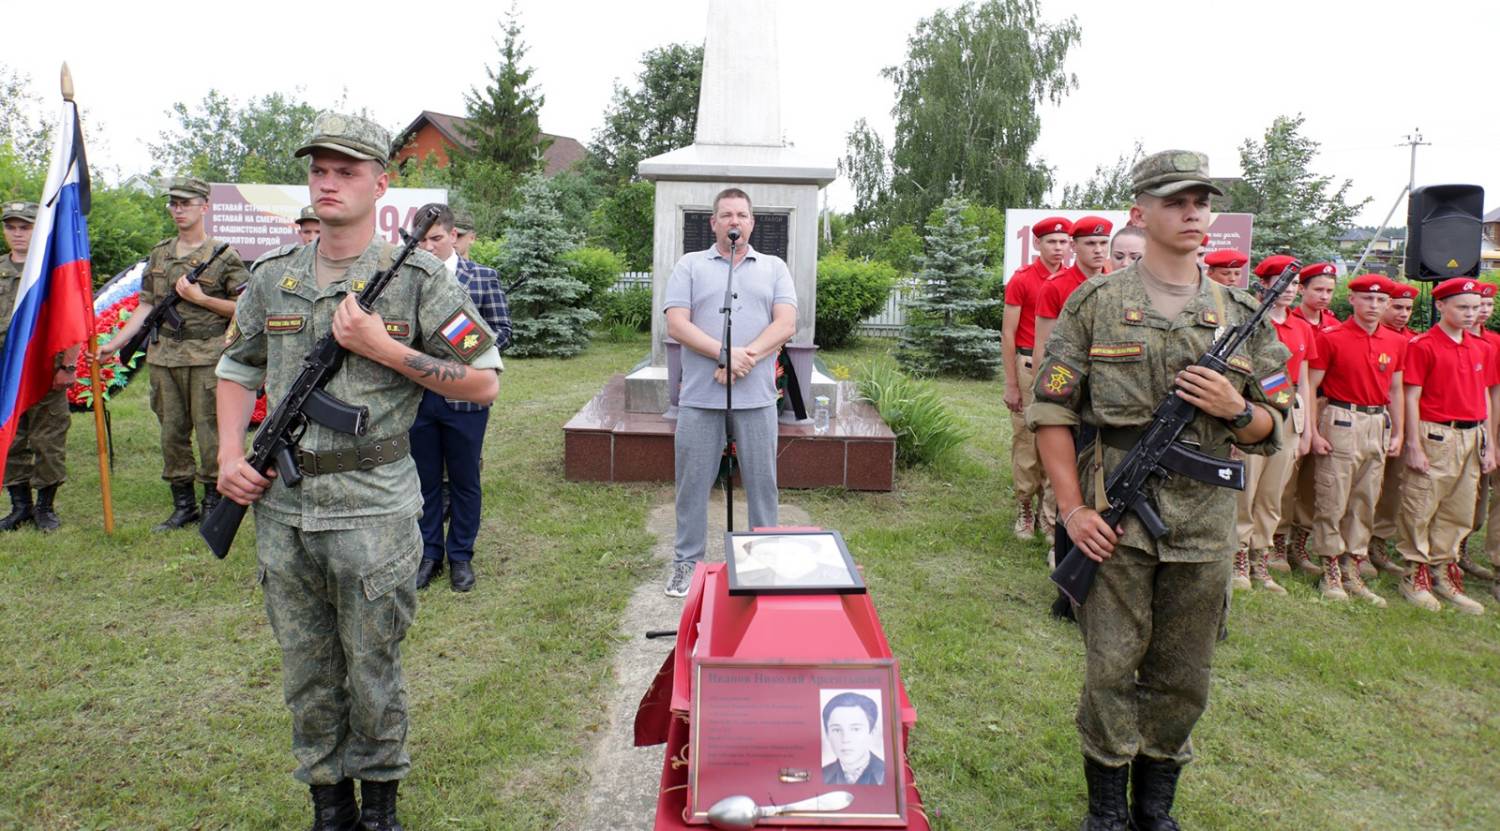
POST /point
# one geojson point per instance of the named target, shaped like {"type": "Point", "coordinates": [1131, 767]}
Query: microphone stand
{"type": "Point", "coordinates": [726, 365]}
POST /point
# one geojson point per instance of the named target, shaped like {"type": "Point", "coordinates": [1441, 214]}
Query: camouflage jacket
{"type": "Point", "coordinates": [280, 317]}
{"type": "Point", "coordinates": [10, 283]}
{"type": "Point", "coordinates": [201, 337]}
{"type": "Point", "coordinates": [1112, 358]}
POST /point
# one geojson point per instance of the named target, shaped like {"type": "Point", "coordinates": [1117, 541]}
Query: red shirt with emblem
{"type": "Point", "coordinates": [1358, 366]}
{"type": "Point", "coordinates": [1326, 323]}
{"type": "Point", "coordinates": [1452, 374]}
{"type": "Point", "coordinates": [1491, 340]}
{"type": "Point", "coordinates": [1297, 335]}
{"type": "Point", "coordinates": [1055, 292]}
{"type": "Point", "coordinates": [1024, 290]}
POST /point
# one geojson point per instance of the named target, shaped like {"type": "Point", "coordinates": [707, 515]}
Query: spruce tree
{"type": "Point", "coordinates": [504, 118]}
{"type": "Point", "coordinates": [941, 337]}
{"type": "Point", "coordinates": [548, 318]}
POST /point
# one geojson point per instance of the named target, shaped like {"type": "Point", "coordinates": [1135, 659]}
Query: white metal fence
{"type": "Point", "coordinates": [886, 323]}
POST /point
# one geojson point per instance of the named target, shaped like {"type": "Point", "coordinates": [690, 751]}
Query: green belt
{"type": "Point", "coordinates": [360, 457]}
{"type": "Point", "coordinates": [195, 332]}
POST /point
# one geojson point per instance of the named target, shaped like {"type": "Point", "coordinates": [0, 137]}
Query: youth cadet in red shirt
{"type": "Point", "coordinates": [1358, 366]}
{"type": "Point", "coordinates": [1447, 373]}
{"type": "Point", "coordinates": [1487, 511]}
{"type": "Point", "coordinates": [1226, 266]}
{"type": "Point", "coordinates": [1266, 476]}
{"type": "Point", "coordinates": [1317, 282]}
{"type": "Point", "coordinates": [1054, 239]}
{"type": "Point", "coordinates": [1396, 316]}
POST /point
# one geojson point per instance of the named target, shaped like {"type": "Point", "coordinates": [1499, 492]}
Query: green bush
{"type": "Point", "coordinates": [631, 307]}
{"type": "Point", "coordinates": [849, 291]}
{"type": "Point", "coordinates": [487, 252]}
{"type": "Point", "coordinates": [925, 429]}
{"type": "Point", "coordinates": [597, 268]}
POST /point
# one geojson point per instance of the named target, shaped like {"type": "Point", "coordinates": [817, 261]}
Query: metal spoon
{"type": "Point", "coordinates": [742, 812]}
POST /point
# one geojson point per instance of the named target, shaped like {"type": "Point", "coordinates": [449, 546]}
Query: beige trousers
{"type": "Point", "coordinates": [1025, 464]}
{"type": "Point", "coordinates": [1437, 509]}
{"type": "Point", "coordinates": [1346, 482]}
{"type": "Point", "coordinates": [1260, 503]}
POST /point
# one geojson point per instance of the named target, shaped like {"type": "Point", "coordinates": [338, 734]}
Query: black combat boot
{"type": "Point", "coordinates": [1107, 807]}
{"type": "Point", "coordinates": [46, 518]}
{"type": "Point", "coordinates": [1153, 786]}
{"type": "Point", "coordinates": [334, 808]}
{"type": "Point", "coordinates": [378, 813]}
{"type": "Point", "coordinates": [20, 508]}
{"type": "Point", "coordinates": [184, 507]}
{"type": "Point", "coordinates": [210, 497]}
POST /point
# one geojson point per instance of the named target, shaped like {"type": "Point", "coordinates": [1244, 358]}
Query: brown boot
{"type": "Point", "coordinates": [1277, 556]}
{"type": "Point", "coordinates": [1354, 580]}
{"type": "Point", "coordinates": [1366, 568]}
{"type": "Point", "coordinates": [1382, 562]}
{"type": "Point", "coordinates": [1241, 579]}
{"type": "Point", "coordinates": [1448, 583]}
{"type": "Point", "coordinates": [1332, 584]}
{"type": "Point", "coordinates": [1260, 571]}
{"type": "Point", "coordinates": [1025, 526]}
{"type": "Point", "coordinates": [1470, 565]}
{"type": "Point", "coordinates": [1298, 556]}
{"type": "Point", "coordinates": [1416, 587]}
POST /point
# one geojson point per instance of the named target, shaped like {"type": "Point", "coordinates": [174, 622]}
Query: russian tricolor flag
{"type": "Point", "coordinates": [54, 309]}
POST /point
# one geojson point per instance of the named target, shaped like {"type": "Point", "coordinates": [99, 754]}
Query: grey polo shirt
{"type": "Point", "coordinates": [697, 284]}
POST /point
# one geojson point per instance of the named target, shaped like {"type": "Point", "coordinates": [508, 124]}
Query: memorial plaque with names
{"type": "Point", "coordinates": [781, 732]}
{"type": "Point", "coordinates": [771, 235]}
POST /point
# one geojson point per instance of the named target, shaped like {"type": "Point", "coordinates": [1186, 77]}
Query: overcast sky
{"type": "Point", "coordinates": [1201, 76]}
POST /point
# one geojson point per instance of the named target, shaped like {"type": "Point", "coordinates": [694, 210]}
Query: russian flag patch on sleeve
{"type": "Point", "coordinates": [464, 335]}
{"type": "Point", "coordinates": [1278, 388]}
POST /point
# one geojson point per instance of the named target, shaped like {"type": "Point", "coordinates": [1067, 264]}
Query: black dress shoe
{"type": "Point", "coordinates": [428, 570]}
{"type": "Point", "coordinates": [461, 575]}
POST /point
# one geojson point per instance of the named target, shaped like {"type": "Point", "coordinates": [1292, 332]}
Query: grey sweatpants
{"type": "Point", "coordinates": [699, 444]}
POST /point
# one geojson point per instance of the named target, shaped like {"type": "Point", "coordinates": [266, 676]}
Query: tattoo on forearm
{"type": "Point", "coordinates": [441, 370]}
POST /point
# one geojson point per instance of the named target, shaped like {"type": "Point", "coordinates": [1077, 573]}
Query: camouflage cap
{"type": "Point", "coordinates": [463, 221]}
{"type": "Point", "coordinates": [1170, 171]}
{"type": "Point", "coordinates": [20, 210]}
{"type": "Point", "coordinates": [351, 135]}
{"type": "Point", "coordinates": [186, 187]}
{"type": "Point", "coordinates": [307, 215]}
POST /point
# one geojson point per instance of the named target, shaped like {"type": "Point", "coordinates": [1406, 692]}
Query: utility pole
{"type": "Point", "coordinates": [1414, 140]}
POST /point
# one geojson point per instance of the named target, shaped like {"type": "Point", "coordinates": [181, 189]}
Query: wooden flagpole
{"type": "Point", "coordinates": [91, 343]}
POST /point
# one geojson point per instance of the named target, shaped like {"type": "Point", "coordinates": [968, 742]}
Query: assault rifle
{"type": "Point", "coordinates": [164, 312]}
{"type": "Point", "coordinates": [276, 441]}
{"type": "Point", "coordinates": [1158, 455]}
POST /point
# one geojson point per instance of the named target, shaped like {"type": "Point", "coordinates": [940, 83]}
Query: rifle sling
{"type": "Point", "coordinates": [367, 456]}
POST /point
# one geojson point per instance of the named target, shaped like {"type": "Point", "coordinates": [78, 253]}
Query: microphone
{"type": "Point", "coordinates": [734, 235]}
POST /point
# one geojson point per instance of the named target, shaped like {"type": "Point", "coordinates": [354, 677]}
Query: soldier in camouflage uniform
{"type": "Point", "coordinates": [1149, 625]}
{"type": "Point", "coordinates": [182, 359]}
{"type": "Point", "coordinates": [308, 225]}
{"type": "Point", "coordinates": [38, 453]}
{"type": "Point", "coordinates": [338, 555]}
{"type": "Point", "coordinates": [463, 223]}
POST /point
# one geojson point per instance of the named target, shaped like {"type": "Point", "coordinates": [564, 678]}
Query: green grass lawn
{"type": "Point", "coordinates": [140, 684]}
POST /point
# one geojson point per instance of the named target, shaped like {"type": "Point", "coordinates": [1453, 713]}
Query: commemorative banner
{"type": "Point", "coordinates": [256, 219]}
{"type": "Point", "coordinates": [1227, 231]}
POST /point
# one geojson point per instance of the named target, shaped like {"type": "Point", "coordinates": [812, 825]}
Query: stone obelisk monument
{"type": "Point", "coordinates": [738, 143]}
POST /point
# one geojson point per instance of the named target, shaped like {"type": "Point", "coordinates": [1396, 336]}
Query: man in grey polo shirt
{"type": "Point", "coordinates": [765, 317]}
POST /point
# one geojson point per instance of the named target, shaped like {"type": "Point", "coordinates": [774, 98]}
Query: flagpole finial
{"type": "Point", "coordinates": [67, 83]}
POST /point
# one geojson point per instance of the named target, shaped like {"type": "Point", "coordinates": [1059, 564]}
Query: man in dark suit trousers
{"type": "Point", "coordinates": [449, 435]}
{"type": "Point", "coordinates": [849, 721]}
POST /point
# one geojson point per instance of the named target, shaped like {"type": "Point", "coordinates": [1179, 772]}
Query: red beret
{"type": "Point", "coordinates": [1051, 225]}
{"type": "Point", "coordinates": [1273, 265]}
{"type": "Point", "coordinates": [1487, 289]}
{"type": "Point", "coordinates": [1457, 285]}
{"type": "Point", "coordinates": [1320, 270]}
{"type": "Point", "coordinates": [1092, 226]}
{"type": "Point", "coordinates": [1226, 258]}
{"type": "Point", "coordinates": [1378, 283]}
{"type": "Point", "coordinates": [1403, 291]}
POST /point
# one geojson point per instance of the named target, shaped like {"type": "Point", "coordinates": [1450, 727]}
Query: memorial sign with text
{"type": "Point", "coordinates": [786, 732]}
{"type": "Point", "coordinates": [256, 219]}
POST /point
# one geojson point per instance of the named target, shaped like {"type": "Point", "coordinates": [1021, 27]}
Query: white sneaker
{"type": "Point", "coordinates": [681, 579]}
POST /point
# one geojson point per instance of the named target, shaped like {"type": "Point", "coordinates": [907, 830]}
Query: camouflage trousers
{"type": "Point", "coordinates": [183, 399]}
{"type": "Point", "coordinates": [339, 603]}
{"type": "Point", "coordinates": [1149, 630]}
{"type": "Point", "coordinates": [39, 453]}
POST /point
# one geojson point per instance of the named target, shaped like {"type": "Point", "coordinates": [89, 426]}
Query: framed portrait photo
{"type": "Point", "coordinates": [791, 562]}
{"type": "Point", "coordinates": [787, 732]}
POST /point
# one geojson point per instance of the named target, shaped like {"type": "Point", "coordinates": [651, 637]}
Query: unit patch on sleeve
{"type": "Point", "coordinates": [464, 336]}
{"type": "Point", "coordinates": [1278, 389]}
{"type": "Point", "coordinates": [1117, 350]}
{"type": "Point", "coordinates": [398, 328]}
{"type": "Point", "coordinates": [1057, 380]}
{"type": "Point", "coordinates": [1241, 363]}
{"type": "Point", "coordinates": [285, 324]}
